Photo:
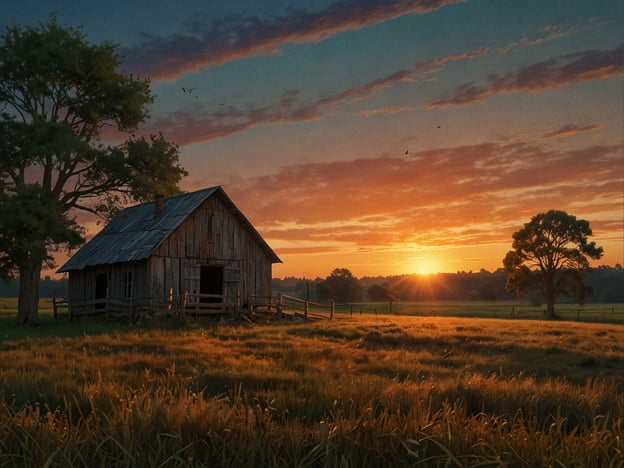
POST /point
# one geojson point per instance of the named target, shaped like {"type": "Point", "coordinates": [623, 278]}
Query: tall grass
{"type": "Point", "coordinates": [377, 391]}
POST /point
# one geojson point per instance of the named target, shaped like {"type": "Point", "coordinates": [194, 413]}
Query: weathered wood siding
{"type": "Point", "coordinates": [211, 235]}
{"type": "Point", "coordinates": [82, 284]}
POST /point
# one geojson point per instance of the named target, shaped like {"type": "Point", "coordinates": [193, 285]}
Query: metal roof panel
{"type": "Point", "coordinates": [134, 233]}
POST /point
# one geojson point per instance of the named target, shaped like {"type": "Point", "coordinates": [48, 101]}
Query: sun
{"type": "Point", "coordinates": [424, 266]}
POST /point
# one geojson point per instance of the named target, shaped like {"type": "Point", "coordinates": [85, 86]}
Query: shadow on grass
{"type": "Point", "coordinates": [49, 327]}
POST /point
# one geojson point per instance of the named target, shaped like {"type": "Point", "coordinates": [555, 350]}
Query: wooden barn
{"type": "Point", "coordinates": [194, 252]}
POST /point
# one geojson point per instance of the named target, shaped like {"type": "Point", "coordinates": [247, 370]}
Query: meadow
{"type": "Point", "coordinates": [605, 313]}
{"type": "Point", "coordinates": [361, 390]}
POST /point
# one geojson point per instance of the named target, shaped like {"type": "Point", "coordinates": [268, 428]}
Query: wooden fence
{"type": "Point", "coordinates": [135, 309]}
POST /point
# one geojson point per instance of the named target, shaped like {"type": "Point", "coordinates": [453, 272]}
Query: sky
{"type": "Point", "coordinates": [386, 137]}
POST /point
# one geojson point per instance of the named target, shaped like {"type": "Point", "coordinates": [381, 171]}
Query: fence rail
{"type": "Point", "coordinates": [283, 304]}
{"type": "Point", "coordinates": [140, 307]}
{"type": "Point", "coordinates": [112, 307]}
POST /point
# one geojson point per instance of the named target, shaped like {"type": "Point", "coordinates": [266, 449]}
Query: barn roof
{"type": "Point", "coordinates": [135, 232]}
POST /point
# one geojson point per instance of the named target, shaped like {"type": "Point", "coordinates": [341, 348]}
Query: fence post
{"type": "Point", "coordinates": [183, 299]}
{"type": "Point", "coordinates": [306, 306]}
{"type": "Point", "coordinates": [331, 311]}
{"type": "Point", "coordinates": [280, 303]}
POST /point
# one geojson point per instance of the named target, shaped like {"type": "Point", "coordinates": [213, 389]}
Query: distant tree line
{"type": "Point", "coordinates": [483, 285]}
{"type": "Point", "coordinates": [343, 287]}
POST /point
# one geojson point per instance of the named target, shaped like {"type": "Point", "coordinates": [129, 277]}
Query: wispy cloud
{"type": "Point", "coordinates": [198, 125]}
{"type": "Point", "coordinates": [451, 58]}
{"type": "Point", "coordinates": [549, 74]}
{"type": "Point", "coordinates": [233, 37]}
{"type": "Point", "coordinates": [570, 130]}
{"type": "Point", "coordinates": [548, 33]}
{"type": "Point", "coordinates": [384, 110]}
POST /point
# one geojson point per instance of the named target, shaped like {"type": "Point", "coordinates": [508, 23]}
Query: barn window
{"type": "Point", "coordinates": [128, 284]}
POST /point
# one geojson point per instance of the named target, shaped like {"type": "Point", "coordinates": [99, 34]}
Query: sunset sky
{"type": "Point", "coordinates": [386, 137]}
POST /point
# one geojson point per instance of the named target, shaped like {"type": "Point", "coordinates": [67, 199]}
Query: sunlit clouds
{"type": "Point", "coordinates": [456, 197]}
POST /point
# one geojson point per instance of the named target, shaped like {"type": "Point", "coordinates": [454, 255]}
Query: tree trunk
{"type": "Point", "coordinates": [550, 307]}
{"type": "Point", "coordinates": [28, 299]}
{"type": "Point", "coordinates": [549, 293]}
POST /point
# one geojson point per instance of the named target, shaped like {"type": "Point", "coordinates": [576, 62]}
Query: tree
{"type": "Point", "coordinates": [551, 255]}
{"type": "Point", "coordinates": [58, 96]}
{"type": "Point", "coordinates": [341, 286]}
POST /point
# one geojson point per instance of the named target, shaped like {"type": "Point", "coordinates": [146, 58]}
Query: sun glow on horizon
{"type": "Point", "coordinates": [424, 266]}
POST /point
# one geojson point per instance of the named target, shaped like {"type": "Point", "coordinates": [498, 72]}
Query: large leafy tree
{"type": "Point", "coordinates": [67, 144]}
{"type": "Point", "coordinates": [551, 255]}
{"type": "Point", "coordinates": [341, 286]}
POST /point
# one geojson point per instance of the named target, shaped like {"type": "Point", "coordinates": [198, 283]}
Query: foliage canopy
{"type": "Point", "coordinates": [341, 286]}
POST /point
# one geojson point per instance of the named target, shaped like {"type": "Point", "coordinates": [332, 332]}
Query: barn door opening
{"type": "Point", "coordinates": [101, 286]}
{"type": "Point", "coordinates": [211, 282]}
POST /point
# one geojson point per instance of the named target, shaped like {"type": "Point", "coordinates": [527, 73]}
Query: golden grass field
{"type": "Point", "coordinates": [372, 390]}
